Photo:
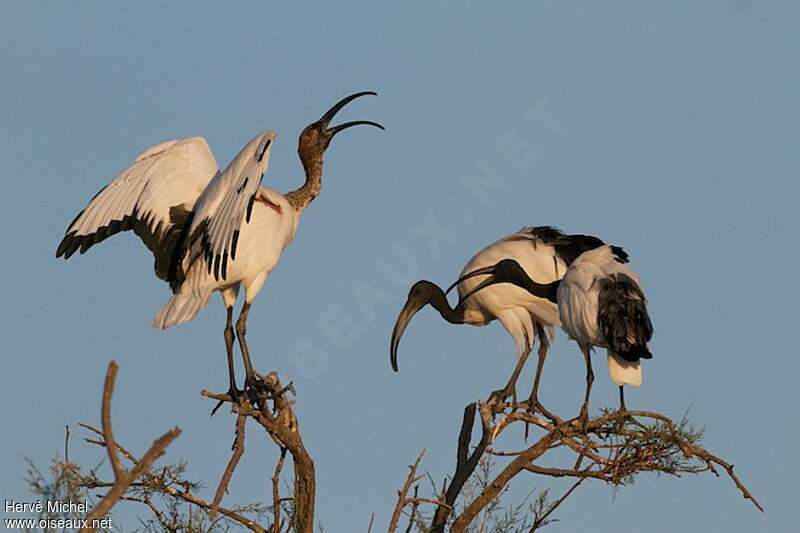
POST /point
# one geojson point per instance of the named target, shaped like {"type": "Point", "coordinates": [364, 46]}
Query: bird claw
{"type": "Point", "coordinates": [582, 420]}
{"type": "Point", "coordinates": [497, 399]}
{"type": "Point", "coordinates": [533, 406]}
{"type": "Point", "coordinates": [233, 394]}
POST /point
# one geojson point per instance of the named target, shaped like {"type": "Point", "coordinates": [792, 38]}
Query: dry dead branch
{"type": "Point", "coordinates": [122, 477]}
{"type": "Point", "coordinates": [268, 403]}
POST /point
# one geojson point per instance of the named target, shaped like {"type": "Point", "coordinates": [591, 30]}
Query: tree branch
{"type": "Point", "coordinates": [616, 447]}
{"type": "Point", "coordinates": [465, 463]}
{"type": "Point", "coordinates": [238, 450]}
{"type": "Point", "coordinates": [122, 478]}
{"type": "Point", "coordinates": [402, 494]}
{"type": "Point", "coordinates": [282, 426]}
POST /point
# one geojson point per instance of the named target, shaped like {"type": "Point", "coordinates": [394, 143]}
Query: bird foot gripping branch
{"type": "Point", "coordinates": [267, 401]}
{"type": "Point", "coordinates": [259, 390]}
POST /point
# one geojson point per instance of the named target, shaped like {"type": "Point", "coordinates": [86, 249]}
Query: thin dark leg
{"type": "Point", "coordinates": [511, 387]}
{"type": "Point", "coordinates": [533, 401]}
{"type": "Point", "coordinates": [589, 380]}
{"type": "Point", "coordinates": [241, 331]}
{"type": "Point", "coordinates": [622, 399]}
{"type": "Point", "coordinates": [229, 337]}
{"type": "Point", "coordinates": [233, 392]}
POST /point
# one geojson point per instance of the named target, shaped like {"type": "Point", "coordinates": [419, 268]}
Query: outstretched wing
{"type": "Point", "coordinates": [154, 197]}
{"type": "Point", "coordinates": [227, 204]}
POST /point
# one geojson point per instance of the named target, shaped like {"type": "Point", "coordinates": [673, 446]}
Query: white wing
{"type": "Point", "coordinates": [154, 197]}
{"type": "Point", "coordinates": [227, 204]}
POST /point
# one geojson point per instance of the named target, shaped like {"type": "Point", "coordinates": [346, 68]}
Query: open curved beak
{"type": "Point", "coordinates": [324, 121]}
{"type": "Point", "coordinates": [411, 308]}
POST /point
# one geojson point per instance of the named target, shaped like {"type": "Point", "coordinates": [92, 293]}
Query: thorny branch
{"type": "Point", "coordinates": [615, 448]}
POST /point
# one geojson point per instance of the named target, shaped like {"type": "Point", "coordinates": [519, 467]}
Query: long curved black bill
{"type": "Point", "coordinates": [330, 113]}
{"type": "Point", "coordinates": [409, 310]}
{"type": "Point", "coordinates": [336, 129]}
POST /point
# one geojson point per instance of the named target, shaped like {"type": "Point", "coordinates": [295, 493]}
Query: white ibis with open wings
{"type": "Point", "coordinates": [208, 230]}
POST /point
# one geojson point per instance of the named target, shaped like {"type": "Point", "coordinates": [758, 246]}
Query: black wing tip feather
{"type": "Point", "coordinates": [72, 242]}
{"type": "Point", "coordinates": [217, 260]}
{"type": "Point", "coordinates": [547, 232]}
{"type": "Point", "coordinates": [250, 208]}
{"type": "Point", "coordinates": [620, 254]}
{"type": "Point", "coordinates": [234, 244]}
{"type": "Point", "coordinates": [260, 156]}
{"type": "Point", "coordinates": [166, 242]}
{"type": "Point", "coordinates": [568, 247]}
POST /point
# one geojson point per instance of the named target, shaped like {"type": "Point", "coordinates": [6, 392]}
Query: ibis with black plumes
{"type": "Point", "coordinates": [600, 304]}
{"type": "Point", "coordinates": [543, 252]}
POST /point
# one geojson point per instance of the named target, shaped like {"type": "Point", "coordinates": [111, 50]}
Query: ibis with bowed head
{"type": "Point", "coordinates": [543, 252]}
{"type": "Point", "coordinates": [209, 231]}
{"type": "Point", "coordinates": [600, 303]}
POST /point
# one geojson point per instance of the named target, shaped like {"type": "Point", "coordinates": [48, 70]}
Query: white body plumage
{"type": "Point", "coordinates": [209, 230]}
{"type": "Point", "coordinates": [579, 307]}
{"type": "Point", "coordinates": [238, 230]}
{"type": "Point", "coordinates": [515, 308]}
{"type": "Point", "coordinates": [261, 243]}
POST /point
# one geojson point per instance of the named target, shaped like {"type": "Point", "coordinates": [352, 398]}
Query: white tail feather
{"type": "Point", "coordinates": [181, 308]}
{"type": "Point", "coordinates": [624, 372]}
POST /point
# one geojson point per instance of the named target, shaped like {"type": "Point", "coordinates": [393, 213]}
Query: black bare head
{"type": "Point", "coordinates": [421, 294]}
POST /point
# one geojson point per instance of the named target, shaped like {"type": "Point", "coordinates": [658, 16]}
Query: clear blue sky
{"type": "Point", "coordinates": [670, 130]}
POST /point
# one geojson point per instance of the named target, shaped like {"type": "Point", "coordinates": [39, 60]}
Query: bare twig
{"type": "Point", "coordinates": [402, 494]}
{"type": "Point", "coordinates": [122, 478]}
{"type": "Point", "coordinates": [238, 450]}
{"type": "Point", "coordinates": [415, 502]}
{"type": "Point", "coordinates": [157, 482]}
{"type": "Point", "coordinates": [465, 462]}
{"type": "Point", "coordinates": [494, 488]}
{"type": "Point", "coordinates": [276, 495]}
{"type": "Point", "coordinates": [105, 417]}
{"type": "Point", "coordinates": [542, 520]}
